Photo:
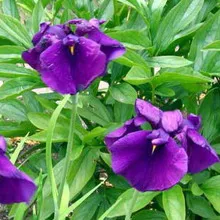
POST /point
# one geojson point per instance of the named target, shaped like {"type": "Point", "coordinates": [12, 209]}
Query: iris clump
{"type": "Point", "coordinates": [157, 159]}
{"type": "Point", "coordinates": [15, 186]}
{"type": "Point", "coordinates": [69, 61]}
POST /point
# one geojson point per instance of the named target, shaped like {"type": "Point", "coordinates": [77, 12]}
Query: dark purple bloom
{"type": "Point", "coordinates": [110, 47]}
{"type": "Point", "coordinates": [69, 62]}
{"type": "Point", "coordinates": [135, 157]}
{"type": "Point", "coordinates": [15, 186]}
{"type": "Point", "coordinates": [158, 159]}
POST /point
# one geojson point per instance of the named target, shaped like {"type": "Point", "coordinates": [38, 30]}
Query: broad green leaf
{"type": "Point", "coordinates": [106, 10]}
{"type": "Point", "coordinates": [209, 111]}
{"type": "Point", "coordinates": [15, 87]}
{"type": "Point", "coordinates": [149, 215]}
{"type": "Point", "coordinates": [11, 54]}
{"type": "Point", "coordinates": [214, 46]}
{"type": "Point", "coordinates": [79, 202]}
{"type": "Point", "coordinates": [174, 203]}
{"type": "Point", "coordinates": [132, 58]}
{"type": "Point", "coordinates": [211, 189]}
{"type": "Point", "coordinates": [12, 71]}
{"type": "Point", "coordinates": [184, 76]}
{"type": "Point", "coordinates": [133, 39]}
{"type": "Point", "coordinates": [156, 8]}
{"type": "Point", "coordinates": [167, 61]}
{"type": "Point", "coordinates": [206, 61]}
{"type": "Point", "coordinates": [124, 93]}
{"type": "Point", "coordinates": [123, 202]}
{"type": "Point", "coordinates": [13, 110]}
{"type": "Point", "coordinates": [176, 20]}
{"type": "Point", "coordinates": [196, 190]}
{"type": "Point", "coordinates": [93, 110]}
{"type": "Point", "coordinates": [15, 129]}
{"type": "Point", "coordinates": [81, 171]}
{"type": "Point", "coordinates": [37, 16]}
{"type": "Point", "coordinates": [200, 206]}
{"type": "Point", "coordinates": [41, 120]}
{"type": "Point", "coordinates": [88, 208]}
{"type": "Point", "coordinates": [10, 8]}
{"type": "Point", "coordinates": [13, 30]}
{"type": "Point", "coordinates": [137, 76]}
{"type": "Point", "coordinates": [31, 102]}
{"type": "Point", "coordinates": [122, 111]}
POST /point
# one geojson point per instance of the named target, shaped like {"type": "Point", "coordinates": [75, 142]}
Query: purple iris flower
{"type": "Point", "coordinates": [69, 62]}
{"type": "Point", "coordinates": [15, 186]}
{"type": "Point", "coordinates": [158, 159]}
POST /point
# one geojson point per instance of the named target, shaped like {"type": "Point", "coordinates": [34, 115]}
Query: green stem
{"type": "Point", "coordinates": [49, 162]}
{"type": "Point", "coordinates": [69, 145]}
{"type": "Point", "coordinates": [131, 205]}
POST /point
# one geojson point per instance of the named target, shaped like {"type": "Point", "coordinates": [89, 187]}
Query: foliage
{"type": "Point", "coordinates": [172, 59]}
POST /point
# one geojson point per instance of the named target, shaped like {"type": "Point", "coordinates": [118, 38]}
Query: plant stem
{"type": "Point", "coordinates": [69, 145]}
{"type": "Point", "coordinates": [49, 162]}
{"type": "Point", "coordinates": [131, 205]}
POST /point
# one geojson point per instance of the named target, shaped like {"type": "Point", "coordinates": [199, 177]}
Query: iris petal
{"type": "Point", "coordinates": [15, 186]}
{"type": "Point", "coordinates": [67, 73]}
{"type": "Point", "coordinates": [151, 113]}
{"type": "Point", "coordinates": [201, 154]}
{"type": "Point", "coordinates": [132, 158]}
{"type": "Point", "coordinates": [171, 120]}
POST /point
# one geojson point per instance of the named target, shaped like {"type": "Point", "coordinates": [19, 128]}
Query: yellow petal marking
{"type": "Point", "coordinates": [72, 49]}
{"type": "Point", "coordinates": [153, 148]}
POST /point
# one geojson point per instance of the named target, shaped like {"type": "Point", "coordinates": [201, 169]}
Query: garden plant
{"type": "Point", "coordinates": [110, 109]}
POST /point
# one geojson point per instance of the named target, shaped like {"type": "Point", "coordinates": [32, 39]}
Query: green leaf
{"type": "Point", "coordinates": [41, 120]}
{"type": "Point", "coordinates": [206, 61]}
{"type": "Point", "coordinates": [211, 189]}
{"type": "Point", "coordinates": [209, 111]}
{"type": "Point", "coordinates": [11, 54]}
{"type": "Point", "coordinates": [167, 61]}
{"type": "Point", "coordinates": [88, 208]}
{"type": "Point", "coordinates": [93, 109]}
{"type": "Point", "coordinates": [81, 171]}
{"type": "Point", "coordinates": [119, 208]}
{"type": "Point", "coordinates": [214, 46]}
{"type": "Point", "coordinates": [200, 206]}
{"type": "Point", "coordinates": [139, 42]}
{"type": "Point", "coordinates": [132, 58]}
{"type": "Point", "coordinates": [31, 102]}
{"type": "Point", "coordinates": [16, 86]}
{"type": "Point", "coordinates": [149, 215]}
{"type": "Point", "coordinates": [122, 112]}
{"type": "Point", "coordinates": [79, 202]}
{"type": "Point", "coordinates": [10, 8]}
{"type": "Point", "coordinates": [18, 149]}
{"type": "Point", "coordinates": [137, 76]}
{"type": "Point", "coordinates": [13, 30]}
{"type": "Point", "coordinates": [106, 10]}
{"type": "Point", "coordinates": [124, 93]}
{"type": "Point", "coordinates": [176, 20]}
{"type": "Point", "coordinates": [15, 129]}
{"type": "Point", "coordinates": [180, 75]}
{"type": "Point", "coordinates": [196, 190]}
{"type": "Point", "coordinates": [12, 71]}
{"type": "Point", "coordinates": [37, 16]}
{"type": "Point", "coordinates": [13, 110]}
{"type": "Point", "coordinates": [156, 8]}
{"type": "Point", "coordinates": [174, 203]}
